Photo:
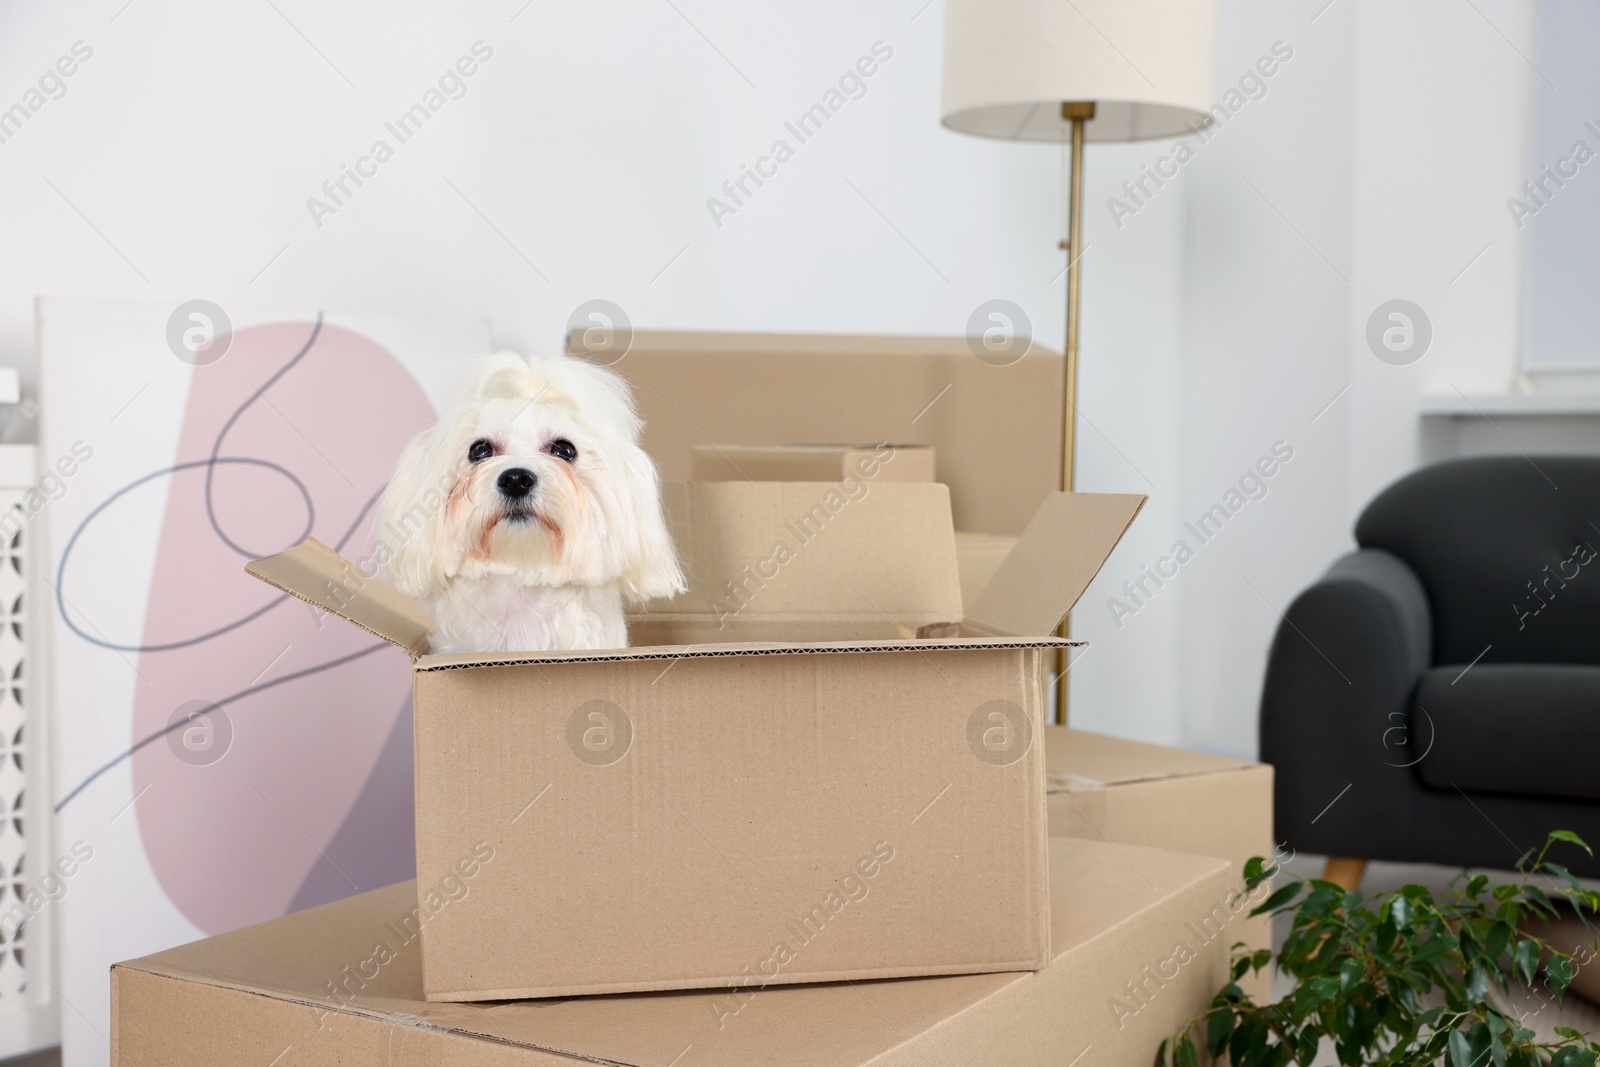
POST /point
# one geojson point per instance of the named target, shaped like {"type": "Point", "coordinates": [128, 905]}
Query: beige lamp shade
{"type": "Point", "coordinates": [1147, 65]}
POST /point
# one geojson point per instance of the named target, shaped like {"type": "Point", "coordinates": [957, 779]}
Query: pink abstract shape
{"type": "Point", "coordinates": [237, 840]}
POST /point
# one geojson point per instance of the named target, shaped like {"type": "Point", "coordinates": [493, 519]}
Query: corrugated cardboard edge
{"type": "Point", "coordinates": [464, 660]}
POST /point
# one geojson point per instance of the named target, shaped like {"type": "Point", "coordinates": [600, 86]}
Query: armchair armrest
{"type": "Point", "coordinates": [1335, 707]}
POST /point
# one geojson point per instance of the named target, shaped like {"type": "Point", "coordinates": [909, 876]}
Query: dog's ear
{"type": "Point", "coordinates": [412, 547]}
{"type": "Point", "coordinates": [650, 563]}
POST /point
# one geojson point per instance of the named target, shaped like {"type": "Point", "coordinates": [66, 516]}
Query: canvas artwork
{"type": "Point", "coordinates": [223, 755]}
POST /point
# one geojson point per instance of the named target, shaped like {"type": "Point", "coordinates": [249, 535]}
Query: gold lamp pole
{"type": "Point", "coordinates": [1027, 70]}
{"type": "Point", "coordinates": [1078, 114]}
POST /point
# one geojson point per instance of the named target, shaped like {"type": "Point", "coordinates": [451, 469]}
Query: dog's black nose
{"type": "Point", "coordinates": [517, 482]}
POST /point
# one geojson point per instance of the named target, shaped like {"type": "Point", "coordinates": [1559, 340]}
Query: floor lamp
{"type": "Point", "coordinates": [1074, 71]}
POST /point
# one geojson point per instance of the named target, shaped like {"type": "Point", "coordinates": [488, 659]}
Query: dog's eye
{"type": "Point", "coordinates": [480, 450]}
{"type": "Point", "coordinates": [562, 448]}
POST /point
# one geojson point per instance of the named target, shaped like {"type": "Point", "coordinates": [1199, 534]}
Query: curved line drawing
{"type": "Point", "coordinates": [240, 695]}
{"type": "Point", "coordinates": [66, 554]}
{"type": "Point", "coordinates": [216, 447]}
{"type": "Point", "coordinates": [210, 464]}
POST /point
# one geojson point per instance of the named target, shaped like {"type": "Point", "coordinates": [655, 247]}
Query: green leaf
{"type": "Point", "coordinates": [1572, 839]}
{"type": "Point", "coordinates": [1535, 894]}
{"type": "Point", "coordinates": [1460, 1050]}
{"type": "Point", "coordinates": [1475, 887]}
{"type": "Point", "coordinates": [1572, 1056]}
{"type": "Point", "coordinates": [1526, 958]}
{"type": "Point", "coordinates": [1558, 973]}
{"type": "Point", "coordinates": [1569, 1033]}
{"type": "Point", "coordinates": [1565, 875]}
{"type": "Point", "coordinates": [1278, 899]}
{"type": "Point", "coordinates": [1469, 944]}
{"type": "Point", "coordinates": [1495, 944]}
{"type": "Point", "coordinates": [1219, 1027]}
{"type": "Point", "coordinates": [1256, 871]}
{"type": "Point", "coordinates": [1477, 983]}
{"type": "Point", "coordinates": [1434, 947]}
{"type": "Point", "coordinates": [1184, 1054]}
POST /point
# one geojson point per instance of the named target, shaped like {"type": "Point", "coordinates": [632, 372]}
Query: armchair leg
{"type": "Point", "coordinates": [1344, 872]}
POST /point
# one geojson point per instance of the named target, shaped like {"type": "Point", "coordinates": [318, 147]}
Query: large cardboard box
{"type": "Point", "coordinates": [1105, 788]}
{"type": "Point", "coordinates": [1134, 954]}
{"type": "Point", "coordinates": [810, 463]}
{"type": "Point", "coordinates": [778, 744]}
{"type": "Point", "coordinates": [996, 428]}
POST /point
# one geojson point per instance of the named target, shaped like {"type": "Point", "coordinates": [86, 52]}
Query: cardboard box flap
{"type": "Point", "coordinates": [318, 575]}
{"type": "Point", "coordinates": [880, 551]}
{"type": "Point", "coordinates": [1054, 560]}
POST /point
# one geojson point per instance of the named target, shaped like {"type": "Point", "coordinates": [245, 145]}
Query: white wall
{"type": "Point", "coordinates": [1265, 352]}
{"type": "Point", "coordinates": [1376, 168]}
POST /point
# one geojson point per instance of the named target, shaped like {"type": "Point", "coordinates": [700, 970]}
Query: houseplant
{"type": "Point", "coordinates": [1404, 978]}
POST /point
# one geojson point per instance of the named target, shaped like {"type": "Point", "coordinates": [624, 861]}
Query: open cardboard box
{"type": "Point", "coordinates": [1132, 958]}
{"type": "Point", "coordinates": [780, 755]}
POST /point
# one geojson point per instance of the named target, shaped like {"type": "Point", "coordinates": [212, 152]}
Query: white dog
{"type": "Point", "coordinates": [527, 516]}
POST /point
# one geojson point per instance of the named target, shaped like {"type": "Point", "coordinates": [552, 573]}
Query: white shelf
{"type": "Point", "coordinates": [1492, 404]}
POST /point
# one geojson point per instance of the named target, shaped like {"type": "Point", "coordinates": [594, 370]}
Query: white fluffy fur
{"type": "Point", "coordinates": [549, 572]}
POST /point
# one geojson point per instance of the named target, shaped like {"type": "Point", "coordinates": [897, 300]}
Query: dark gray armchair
{"type": "Point", "coordinates": [1435, 696]}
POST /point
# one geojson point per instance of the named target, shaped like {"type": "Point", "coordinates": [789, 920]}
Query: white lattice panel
{"type": "Point", "coordinates": [13, 759]}
{"type": "Point", "coordinates": [29, 1008]}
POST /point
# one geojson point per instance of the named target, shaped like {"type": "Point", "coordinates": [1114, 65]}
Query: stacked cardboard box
{"type": "Point", "coordinates": [343, 984]}
{"type": "Point", "coordinates": [818, 766]}
{"type": "Point", "coordinates": [1129, 793]}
